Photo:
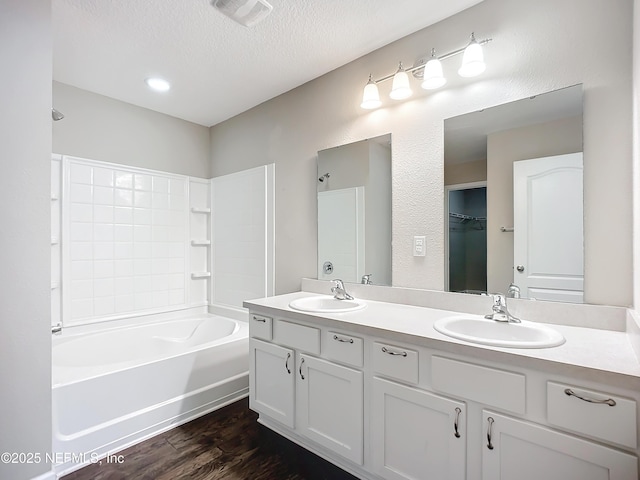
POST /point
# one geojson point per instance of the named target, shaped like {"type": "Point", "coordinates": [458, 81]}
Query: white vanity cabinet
{"type": "Point", "coordinates": [416, 434]}
{"type": "Point", "coordinates": [519, 450]}
{"type": "Point", "coordinates": [272, 381]}
{"type": "Point", "coordinates": [330, 406]}
{"type": "Point", "coordinates": [384, 407]}
{"type": "Point", "coordinates": [316, 398]}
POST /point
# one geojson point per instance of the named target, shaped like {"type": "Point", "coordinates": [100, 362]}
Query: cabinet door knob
{"type": "Point", "coordinates": [490, 422]}
{"type": "Point", "coordinates": [286, 363]}
{"type": "Point", "coordinates": [258, 319]}
{"type": "Point", "coordinates": [455, 424]}
{"type": "Point", "coordinates": [300, 369]}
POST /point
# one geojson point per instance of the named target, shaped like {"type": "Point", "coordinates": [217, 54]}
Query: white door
{"type": "Point", "coordinates": [548, 228]}
{"type": "Point", "coordinates": [341, 234]}
{"type": "Point", "coordinates": [272, 381]}
{"type": "Point", "coordinates": [525, 451]}
{"type": "Point", "coordinates": [416, 434]}
{"type": "Point", "coordinates": [330, 406]}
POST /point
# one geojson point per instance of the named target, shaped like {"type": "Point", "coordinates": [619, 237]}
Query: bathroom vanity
{"type": "Point", "coordinates": [380, 393]}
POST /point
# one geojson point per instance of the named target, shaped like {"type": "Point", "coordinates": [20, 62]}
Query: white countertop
{"type": "Point", "coordinates": [602, 356]}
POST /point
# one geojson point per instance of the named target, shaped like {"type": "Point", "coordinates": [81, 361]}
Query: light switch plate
{"type": "Point", "coordinates": [419, 246]}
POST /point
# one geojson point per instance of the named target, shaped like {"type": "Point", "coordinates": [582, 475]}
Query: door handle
{"type": "Point", "coordinates": [520, 268]}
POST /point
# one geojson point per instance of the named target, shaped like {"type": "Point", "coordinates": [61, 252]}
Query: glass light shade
{"type": "Point", "coordinates": [472, 60]}
{"type": "Point", "coordinates": [400, 88]}
{"type": "Point", "coordinates": [433, 77]}
{"type": "Point", "coordinates": [370, 96]}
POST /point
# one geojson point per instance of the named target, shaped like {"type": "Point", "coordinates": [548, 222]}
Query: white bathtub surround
{"type": "Point", "coordinates": [243, 246]}
{"type": "Point", "coordinates": [128, 241]}
{"type": "Point", "coordinates": [117, 386]}
{"type": "Point", "coordinates": [124, 237]}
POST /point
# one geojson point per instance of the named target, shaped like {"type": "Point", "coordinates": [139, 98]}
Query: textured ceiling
{"type": "Point", "coordinates": [217, 67]}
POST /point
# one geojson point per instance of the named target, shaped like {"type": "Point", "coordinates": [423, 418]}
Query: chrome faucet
{"type": "Point", "coordinates": [339, 291]}
{"type": "Point", "coordinates": [500, 311]}
{"type": "Point", "coordinates": [366, 279]}
{"type": "Point", "coordinates": [513, 291]}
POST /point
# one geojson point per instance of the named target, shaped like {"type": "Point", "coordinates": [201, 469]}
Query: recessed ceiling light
{"type": "Point", "coordinates": [158, 84]}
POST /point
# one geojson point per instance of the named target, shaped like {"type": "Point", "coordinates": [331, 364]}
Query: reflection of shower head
{"type": "Point", "coordinates": [321, 179]}
{"type": "Point", "coordinates": [56, 115]}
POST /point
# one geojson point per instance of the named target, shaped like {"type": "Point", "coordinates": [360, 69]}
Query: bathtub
{"type": "Point", "coordinates": [117, 387]}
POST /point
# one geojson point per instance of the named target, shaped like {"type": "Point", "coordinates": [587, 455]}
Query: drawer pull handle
{"type": "Point", "coordinates": [343, 340]}
{"type": "Point", "coordinates": [300, 369]}
{"type": "Point", "coordinates": [391, 352]}
{"type": "Point", "coordinates": [609, 401]}
{"type": "Point", "coordinates": [489, 444]}
{"type": "Point", "coordinates": [258, 319]}
{"type": "Point", "coordinates": [455, 424]}
{"type": "Point", "coordinates": [286, 363]}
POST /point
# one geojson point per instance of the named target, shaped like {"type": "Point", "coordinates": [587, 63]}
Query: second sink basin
{"type": "Point", "coordinates": [477, 329]}
{"type": "Point", "coordinates": [326, 304]}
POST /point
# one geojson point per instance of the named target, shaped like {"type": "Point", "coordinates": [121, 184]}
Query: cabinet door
{"type": "Point", "coordinates": [272, 381]}
{"type": "Point", "coordinates": [416, 434]}
{"type": "Point", "coordinates": [518, 450]}
{"type": "Point", "coordinates": [330, 406]}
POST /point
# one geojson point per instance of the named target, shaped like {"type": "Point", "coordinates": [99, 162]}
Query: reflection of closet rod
{"type": "Point", "coordinates": [506, 229]}
{"type": "Point", "coordinates": [465, 217]}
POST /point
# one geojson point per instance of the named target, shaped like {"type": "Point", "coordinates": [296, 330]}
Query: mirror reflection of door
{"type": "Point", "coordinates": [467, 238]}
{"type": "Point", "coordinates": [548, 214]}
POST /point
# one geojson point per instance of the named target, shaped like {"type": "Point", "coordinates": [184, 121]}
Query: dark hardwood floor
{"type": "Point", "coordinates": [225, 444]}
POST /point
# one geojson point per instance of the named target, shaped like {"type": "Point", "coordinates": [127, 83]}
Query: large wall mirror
{"type": "Point", "coordinates": [514, 198]}
{"type": "Point", "coordinates": [354, 212]}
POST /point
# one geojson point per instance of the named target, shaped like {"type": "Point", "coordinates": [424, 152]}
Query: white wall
{"type": "Point", "coordinates": [537, 47]}
{"type": "Point", "coordinates": [636, 152]}
{"type": "Point", "coordinates": [25, 135]}
{"type": "Point", "coordinates": [102, 128]}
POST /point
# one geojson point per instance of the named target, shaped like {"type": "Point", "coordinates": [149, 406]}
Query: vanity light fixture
{"type": "Point", "coordinates": [157, 84]}
{"type": "Point", "coordinates": [371, 96]}
{"type": "Point", "coordinates": [429, 71]}
{"type": "Point", "coordinates": [401, 88]}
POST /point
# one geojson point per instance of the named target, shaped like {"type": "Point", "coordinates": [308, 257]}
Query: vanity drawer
{"type": "Point", "coordinates": [260, 326]}
{"type": "Point", "coordinates": [342, 348]}
{"type": "Point", "coordinates": [489, 386]}
{"type": "Point", "coordinates": [294, 335]}
{"type": "Point", "coordinates": [585, 411]}
{"type": "Point", "coordinates": [395, 362]}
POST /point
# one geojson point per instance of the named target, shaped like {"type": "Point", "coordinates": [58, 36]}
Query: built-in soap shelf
{"type": "Point", "coordinates": [200, 210]}
{"type": "Point", "coordinates": [200, 243]}
{"type": "Point", "coordinates": [198, 275]}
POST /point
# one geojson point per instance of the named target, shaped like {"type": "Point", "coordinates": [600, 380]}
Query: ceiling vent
{"type": "Point", "coordinates": [245, 12]}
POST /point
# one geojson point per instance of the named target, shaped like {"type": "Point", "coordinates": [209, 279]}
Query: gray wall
{"type": "Point", "coordinates": [636, 150]}
{"type": "Point", "coordinates": [102, 128]}
{"type": "Point", "coordinates": [537, 47]}
{"type": "Point", "coordinates": [25, 135]}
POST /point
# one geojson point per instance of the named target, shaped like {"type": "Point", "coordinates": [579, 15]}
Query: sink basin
{"type": "Point", "coordinates": [326, 304]}
{"type": "Point", "coordinates": [477, 329]}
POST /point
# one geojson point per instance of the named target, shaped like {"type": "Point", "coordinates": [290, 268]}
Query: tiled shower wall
{"type": "Point", "coordinates": [125, 246]}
